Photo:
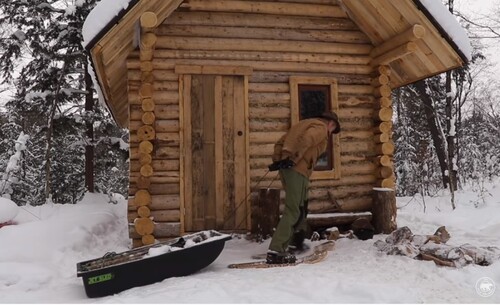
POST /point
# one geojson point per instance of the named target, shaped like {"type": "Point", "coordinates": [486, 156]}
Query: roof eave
{"type": "Point", "coordinates": [441, 30]}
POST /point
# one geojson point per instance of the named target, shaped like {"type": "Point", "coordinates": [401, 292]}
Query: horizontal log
{"type": "Point", "coordinates": [394, 54]}
{"type": "Point", "coordinates": [387, 183]}
{"type": "Point", "coordinates": [361, 168]}
{"type": "Point", "coordinates": [273, 8]}
{"type": "Point", "coordinates": [357, 124]}
{"type": "Point", "coordinates": [265, 137]}
{"type": "Point", "coordinates": [272, 181]}
{"type": "Point", "coordinates": [146, 170]}
{"type": "Point", "coordinates": [156, 75]}
{"type": "Point", "coordinates": [156, 85]}
{"type": "Point", "coordinates": [148, 118]}
{"type": "Point", "coordinates": [350, 113]}
{"type": "Point", "coordinates": [162, 112]}
{"type": "Point", "coordinates": [144, 133]}
{"type": "Point", "coordinates": [174, 178]}
{"type": "Point", "coordinates": [163, 153]}
{"type": "Point", "coordinates": [145, 147]}
{"type": "Point", "coordinates": [384, 172]}
{"type": "Point", "coordinates": [381, 138]}
{"type": "Point", "coordinates": [145, 159]}
{"type": "Point", "coordinates": [261, 125]}
{"type": "Point", "coordinates": [212, 70]}
{"type": "Point", "coordinates": [142, 198]}
{"type": "Point", "coordinates": [266, 56]}
{"type": "Point", "coordinates": [385, 148]}
{"type": "Point", "coordinates": [414, 33]}
{"type": "Point", "coordinates": [383, 102]}
{"type": "Point", "coordinates": [161, 229]}
{"type": "Point", "coordinates": [159, 166]}
{"type": "Point", "coordinates": [147, 104]}
{"type": "Point", "coordinates": [384, 127]}
{"type": "Point", "coordinates": [355, 89]}
{"type": "Point", "coordinates": [143, 226]}
{"type": "Point", "coordinates": [358, 134]}
{"type": "Point", "coordinates": [240, 44]}
{"type": "Point", "coordinates": [146, 54]}
{"type": "Point", "coordinates": [168, 64]}
{"type": "Point", "coordinates": [346, 147]}
{"type": "Point", "coordinates": [159, 189]}
{"type": "Point", "coordinates": [264, 33]}
{"type": "Point", "coordinates": [167, 152]}
{"type": "Point", "coordinates": [360, 204]}
{"type": "Point", "coordinates": [163, 138]}
{"type": "Point", "coordinates": [335, 219]}
{"type": "Point", "coordinates": [258, 20]}
{"type": "Point", "coordinates": [382, 91]}
{"type": "Point", "coordinates": [159, 215]}
{"type": "Point", "coordinates": [158, 202]}
{"type": "Point", "coordinates": [384, 160]}
{"type": "Point", "coordinates": [146, 66]}
{"type": "Point", "coordinates": [142, 212]}
{"type": "Point", "coordinates": [355, 101]}
{"type": "Point", "coordinates": [265, 99]}
{"type": "Point", "coordinates": [340, 192]}
{"type": "Point", "coordinates": [269, 88]}
{"type": "Point", "coordinates": [383, 114]}
{"type": "Point", "coordinates": [269, 112]}
{"type": "Point", "coordinates": [382, 70]}
{"type": "Point", "coordinates": [380, 80]}
{"type": "Point", "coordinates": [148, 21]}
{"type": "Point", "coordinates": [159, 125]}
{"type": "Point", "coordinates": [284, 77]}
{"type": "Point", "coordinates": [148, 239]}
{"type": "Point", "coordinates": [160, 97]}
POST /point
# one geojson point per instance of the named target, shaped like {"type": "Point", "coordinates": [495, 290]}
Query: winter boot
{"type": "Point", "coordinates": [297, 242]}
{"type": "Point", "coordinates": [280, 258]}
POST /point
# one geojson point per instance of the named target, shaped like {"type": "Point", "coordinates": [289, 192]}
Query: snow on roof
{"type": "Point", "coordinates": [449, 24]}
{"type": "Point", "coordinates": [101, 16]}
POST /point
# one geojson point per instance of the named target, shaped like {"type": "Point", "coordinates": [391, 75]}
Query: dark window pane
{"type": "Point", "coordinates": [313, 100]}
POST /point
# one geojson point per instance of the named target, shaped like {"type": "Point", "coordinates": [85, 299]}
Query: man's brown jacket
{"type": "Point", "coordinates": [303, 144]}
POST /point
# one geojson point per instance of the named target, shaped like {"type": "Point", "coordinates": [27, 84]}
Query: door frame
{"type": "Point", "coordinates": [185, 72]}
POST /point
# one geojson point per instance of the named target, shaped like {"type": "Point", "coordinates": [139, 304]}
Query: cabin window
{"type": "Point", "coordinates": [310, 97]}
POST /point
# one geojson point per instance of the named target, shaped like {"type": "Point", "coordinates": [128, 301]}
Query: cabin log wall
{"type": "Point", "coordinates": [276, 46]}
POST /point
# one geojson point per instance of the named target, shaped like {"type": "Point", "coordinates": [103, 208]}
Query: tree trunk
{"type": "Point", "coordinates": [439, 142]}
{"type": "Point", "coordinates": [89, 147]}
{"type": "Point", "coordinates": [450, 128]}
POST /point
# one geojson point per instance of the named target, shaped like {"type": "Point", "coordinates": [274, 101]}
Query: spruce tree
{"type": "Point", "coordinates": [44, 59]}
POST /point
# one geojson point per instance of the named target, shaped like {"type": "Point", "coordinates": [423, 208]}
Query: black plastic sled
{"type": "Point", "coordinates": [115, 272]}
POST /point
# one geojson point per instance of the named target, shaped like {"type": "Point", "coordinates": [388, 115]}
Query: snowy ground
{"type": "Point", "coordinates": [38, 260]}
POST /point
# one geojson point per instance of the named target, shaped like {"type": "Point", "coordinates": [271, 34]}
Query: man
{"type": "Point", "coordinates": [295, 156]}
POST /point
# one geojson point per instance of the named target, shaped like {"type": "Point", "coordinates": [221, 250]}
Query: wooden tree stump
{"type": "Point", "coordinates": [384, 210]}
{"type": "Point", "coordinates": [266, 212]}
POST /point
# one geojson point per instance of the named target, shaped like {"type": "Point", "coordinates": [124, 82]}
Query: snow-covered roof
{"type": "Point", "coordinates": [102, 17]}
{"type": "Point", "coordinates": [450, 25]}
{"type": "Point", "coordinates": [111, 26]}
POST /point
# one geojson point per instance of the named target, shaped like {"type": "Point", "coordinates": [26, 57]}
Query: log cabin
{"type": "Point", "coordinates": [206, 87]}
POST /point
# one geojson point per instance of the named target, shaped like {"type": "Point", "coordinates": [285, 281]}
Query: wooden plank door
{"type": "Point", "coordinates": [215, 160]}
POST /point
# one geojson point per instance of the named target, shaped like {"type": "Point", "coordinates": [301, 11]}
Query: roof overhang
{"type": "Point", "coordinates": [380, 20]}
{"type": "Point", "coordinates": [110, 48]}
{"type": "Point", "coordinates": [383, 20]}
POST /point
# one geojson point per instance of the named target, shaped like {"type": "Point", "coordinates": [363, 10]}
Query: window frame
{"type": "Point", "coordinates": [295, 81]}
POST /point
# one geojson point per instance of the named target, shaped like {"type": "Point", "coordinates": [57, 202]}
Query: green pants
{"type": "Point", "coordinates": [293, 218]}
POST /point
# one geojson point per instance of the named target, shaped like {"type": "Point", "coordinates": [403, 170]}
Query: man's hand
{"type": "Point", "coordinates": [282, 164]}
